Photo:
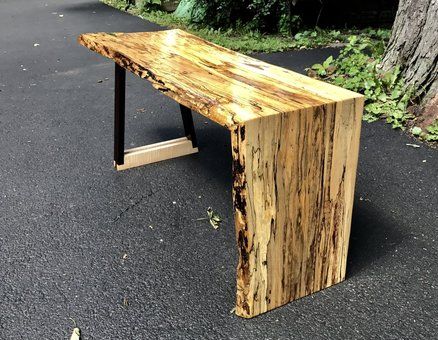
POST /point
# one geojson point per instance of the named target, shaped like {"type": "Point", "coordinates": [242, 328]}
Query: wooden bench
{"type": "Point", "coordinates": [295, 144]}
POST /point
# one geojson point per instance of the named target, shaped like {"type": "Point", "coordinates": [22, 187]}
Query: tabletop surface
{"type": "Point", "coordinates": [227, 87]}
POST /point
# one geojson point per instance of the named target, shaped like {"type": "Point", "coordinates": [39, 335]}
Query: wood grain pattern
{"type": "Point", "coordinates": [225, 86]}
{"type": "Point", "coordinates": [295, 144]}
{"type": "Point", "coordinates": [158, 152]}
{"type": "Point", "coordinates": [293, 196]}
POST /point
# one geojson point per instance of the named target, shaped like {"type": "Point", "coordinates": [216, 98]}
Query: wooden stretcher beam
{"type": "Point", "coordinates": [156, 152]}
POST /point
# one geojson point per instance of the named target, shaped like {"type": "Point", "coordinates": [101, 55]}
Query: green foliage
{"type": "Point", "coordinates": [416, 131]}
{"type": "Point", "coordinates": [246, 40]}
{"type": "Point", "coordinates": [357, 69]}
{"type": "Point", "coordinates": [289, 24]}
{"type": "Point", "coordinates": [119, 4]}
{"type": "Point", "coordinates": [317, 37]}
{"type": "Point", "coordinates": [432, 132]}
{"type": "Point", "coordinates": [242, 40]}
{"type": "Point", "coordinates": [268, 16]}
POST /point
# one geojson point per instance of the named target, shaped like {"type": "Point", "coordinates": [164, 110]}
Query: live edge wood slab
{"type": "Point", "coordinates": [295, 145]}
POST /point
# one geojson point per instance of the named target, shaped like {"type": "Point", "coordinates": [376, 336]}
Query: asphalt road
{"type": "Point", "coordinates": [122, 254]}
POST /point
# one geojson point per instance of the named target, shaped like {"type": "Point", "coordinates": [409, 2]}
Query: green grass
{"type": "Point", "coordinates": [242, 39]}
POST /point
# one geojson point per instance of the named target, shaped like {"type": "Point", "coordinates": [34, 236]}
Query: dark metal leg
{"type": "Point", "coordinates": [189, 128]}
{"type": "Point", "coordinates": [119, 114]}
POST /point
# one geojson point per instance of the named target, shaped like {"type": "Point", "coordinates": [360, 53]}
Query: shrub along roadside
{"type": "Point", "coordinates": [243, 38]}
{"type": "Point", "coordinates": [271, 16]}
{"type": "Point", "coordinates": [357, 69]}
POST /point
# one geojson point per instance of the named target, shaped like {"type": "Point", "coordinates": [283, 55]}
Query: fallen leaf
{"type": "Point", "coordinates": [76, 335]}
{"type": "Point", "coordinates": [215, 219]}
{"type": "Point", "coordinates": [416, 131]}
{"type": "Point", "coordinates": [214, 224]}
{"type": "Point", "coordinates": [125, 302]}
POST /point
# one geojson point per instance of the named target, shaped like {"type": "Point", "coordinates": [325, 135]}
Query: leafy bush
{"type": "Point", "coordinates": [357, 69]}
{"type": "Point", "coordinates": [268, 16]}
{"type": "Point", "coordinates": [432, 132]}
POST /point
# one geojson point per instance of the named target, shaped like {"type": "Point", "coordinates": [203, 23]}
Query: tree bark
{"type": "Point", "coordinates": [414, 46]}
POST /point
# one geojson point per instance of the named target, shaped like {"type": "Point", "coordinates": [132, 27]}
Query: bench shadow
{"type": "Point", "coordinates": [374, 236]}
{"type": "Point", "coordinates": [214, 143]}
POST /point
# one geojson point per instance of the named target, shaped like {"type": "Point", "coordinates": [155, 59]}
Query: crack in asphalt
{"type": "Point", "coordinates": [133, 205]}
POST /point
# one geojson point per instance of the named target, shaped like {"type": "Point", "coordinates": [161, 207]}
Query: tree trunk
{"type": "Point", "coordinates": [414, 46]}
